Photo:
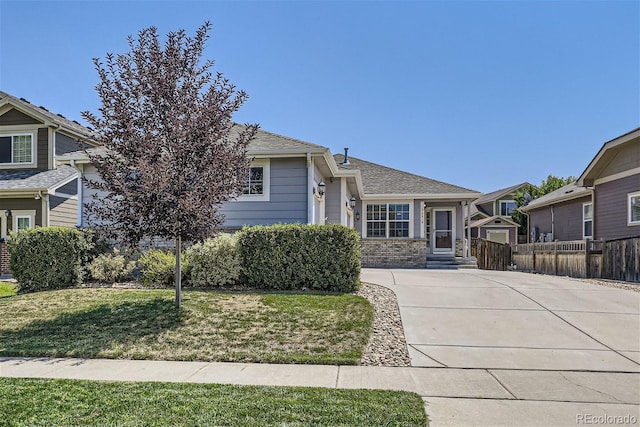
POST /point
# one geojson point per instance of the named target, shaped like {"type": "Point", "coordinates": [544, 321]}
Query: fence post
{"type": "Point", "coordinates": [587, 259]}
{"type": "Point", "coordinates": [555, 256]}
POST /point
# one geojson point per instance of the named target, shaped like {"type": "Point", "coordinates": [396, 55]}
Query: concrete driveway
{"type": "Point", "coordinates": [561, 351]}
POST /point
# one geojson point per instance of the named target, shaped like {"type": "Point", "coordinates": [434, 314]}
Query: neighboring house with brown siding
{"type": "Point", "coordinates": [603, 204]}
{"type": "Point", "coordinates": [34, 190]}
{"type": "Point", "coordinates": [563, 214]}
{"type": "Point", "coordinates": [614, 175]}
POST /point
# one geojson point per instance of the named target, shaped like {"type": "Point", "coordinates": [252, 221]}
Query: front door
{"type": "Point", "coordinates": [443, 231]}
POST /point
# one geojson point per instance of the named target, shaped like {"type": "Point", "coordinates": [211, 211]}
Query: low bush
{"type": "Point", "coordinates": [295, 256]}
{"type": "Point", "coordinates": [49, 257]}
{"type": "Point", "coordinates": [158, 267]}
{"type": "Point", "coordinates": [111, 267]}
{"type": "Point", "coordinates": [216, 262]}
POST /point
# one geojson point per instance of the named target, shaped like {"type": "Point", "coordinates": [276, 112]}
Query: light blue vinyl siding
{"type": "Point", "coordinates": [288, 198]}
{"type": "Point", "coordinates": [332, 202]}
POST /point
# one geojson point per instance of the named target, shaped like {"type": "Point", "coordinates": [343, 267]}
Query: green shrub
{"type": "Point", "coordinates": [158, 267]}
{"type": "Point", "coordinates": [110, 268]}
{"type": "Point", "coordinates": [295, 256]}
{"type": "Point", "coordinates": [48, 258]}
{"type": "Point", "coordinates": [216, 262]}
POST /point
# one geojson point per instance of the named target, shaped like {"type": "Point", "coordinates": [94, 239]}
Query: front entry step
{"type": "Point", "coordinates": [450, 263]}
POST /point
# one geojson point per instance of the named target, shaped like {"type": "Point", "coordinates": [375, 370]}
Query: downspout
{"type": "Point", "coordinates": [553, 223]}
{"type": "Point", "coordinates": [309, 189]}
{"type": "Point", "coordinates": [468, 251]}
{"type": "Point", "coordinates": [80, 221]}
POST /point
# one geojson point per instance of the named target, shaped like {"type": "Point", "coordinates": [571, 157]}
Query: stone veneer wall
{"type": "Point", "coordinates": [394, 253]}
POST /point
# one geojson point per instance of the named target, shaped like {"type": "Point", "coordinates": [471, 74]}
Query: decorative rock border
{"type": "Point", "coordinates": [387, 345]}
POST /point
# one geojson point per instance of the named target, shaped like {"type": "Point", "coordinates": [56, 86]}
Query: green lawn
{"type": "Point", "coordinates": [212, 326]}
{"type": "Point", "coordinates": [7, 289]}
{"type": "Point", "coordinates": [79, 403]}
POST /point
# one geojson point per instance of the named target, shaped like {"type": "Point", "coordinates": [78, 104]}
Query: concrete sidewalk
{"type": "Point", "coordinates": [452, 396]}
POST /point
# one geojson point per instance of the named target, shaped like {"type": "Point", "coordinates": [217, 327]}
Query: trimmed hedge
{"type": "Point", "coordinates": [49, 258]}
{"type": "Point", "coordinates": [158, 267]}
{"type": "Point", "coordinates": [216, 262]}
{"type": "Point", "coordinates": [296, 256]}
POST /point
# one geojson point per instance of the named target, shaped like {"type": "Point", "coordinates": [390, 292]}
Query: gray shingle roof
{"type": "Point", "coordinates": [268, 141]}
{"type": "Point", "coordinates": [34, 179]}
{"type": "Point", "coordinates": [56, 118]}
{"type": "Point", "coordinates": [568, 192]}
{"type": "Point", "coordinates": [378, 179]}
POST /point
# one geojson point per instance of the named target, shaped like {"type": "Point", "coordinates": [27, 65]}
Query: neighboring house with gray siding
{"type": "Point", "coordinates": [491, 215]}
{"type": "Point", "coordinates": [34, 189]}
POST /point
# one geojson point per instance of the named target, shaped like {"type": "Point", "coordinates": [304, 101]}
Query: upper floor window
{"type": "Point", "coordinates": [507, 207]}
{"type": "Point", "coordinates": [587, 220]}
{"type": "Point", "coordinates": [388, 220]}
{"type": "Point", "coordinates": [634, 208]}
{"type": "Point", "coordinates": [15, 149]}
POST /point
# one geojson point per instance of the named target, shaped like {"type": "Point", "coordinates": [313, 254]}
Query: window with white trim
{"type": "Point", "coordinates": [23, 222]}
{"type": "Point", "coordinates": [16, 148]}
{"type": "Point", "coordinates": [388, 220]}
{"type": "Point", "coordinates": [256, 187]}
{"type": "Point", "coordinates": [507, 207]}
{"type": "Point", "coordinates": [634, 208]}
{"type": "Point", "coordinates": [587, 220]}
{"type": "Point", "coordinates": [255, 183]}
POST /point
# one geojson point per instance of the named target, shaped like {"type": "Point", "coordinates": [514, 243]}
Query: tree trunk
{"type": "Point", "coordinates": [178, 272]}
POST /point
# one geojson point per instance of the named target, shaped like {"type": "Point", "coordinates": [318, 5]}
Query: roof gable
{"type": "Point", "coordinates": [43, 115]}
{"type": "Point", "coordinates": [17, 117]}
{"type": "Point", "coordinates": [597, 168]}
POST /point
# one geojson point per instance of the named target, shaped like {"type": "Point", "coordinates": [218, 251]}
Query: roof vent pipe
{"type": "Point", "coordinates": [345, 161]}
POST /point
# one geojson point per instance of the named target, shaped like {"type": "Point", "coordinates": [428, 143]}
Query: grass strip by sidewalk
{"type": "Point", "coordinates": [284, 327]}
{"type": "Point", "coordinates": [79, 403]}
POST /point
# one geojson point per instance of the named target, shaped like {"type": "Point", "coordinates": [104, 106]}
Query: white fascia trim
{"type": "Point", "coordinates": [616, 176]}
{"type": "Point", "coordinates": [22, 193]}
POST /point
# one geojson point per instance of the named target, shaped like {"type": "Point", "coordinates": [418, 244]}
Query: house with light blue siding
{"type": "Point", "coordinates": [404, 219]}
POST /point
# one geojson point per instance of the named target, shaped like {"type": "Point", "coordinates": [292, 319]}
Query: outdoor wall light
{"type": "Point", "coordinates": [352, 202]}
{"type": "Point", "coordinates": [7, 213]}
{"type": "Point", "coordinates": [321, 188]}
{"type": "Point", "coordinates": [357, 215]}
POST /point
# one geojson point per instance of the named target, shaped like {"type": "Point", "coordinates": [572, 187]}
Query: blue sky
{"type": "Point", "coordinates": [481, 94]}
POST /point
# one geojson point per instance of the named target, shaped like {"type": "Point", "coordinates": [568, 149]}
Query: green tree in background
{"type": "Point", "coordinates": [548, 185]}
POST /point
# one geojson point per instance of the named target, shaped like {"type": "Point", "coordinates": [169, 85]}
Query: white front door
{"type": "Point", "coordinates": [443, 231]}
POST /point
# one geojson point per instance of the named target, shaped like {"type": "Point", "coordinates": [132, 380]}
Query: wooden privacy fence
{"type": "Point", "coordinates": [614, 259]}
{"type": "Point", "coordinates": [492, 255]}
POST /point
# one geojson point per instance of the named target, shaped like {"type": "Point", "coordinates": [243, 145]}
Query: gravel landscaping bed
{"type": "Point", "coordinates": [387, 345]}
{"type": "Point", "coordinates": [613, 284]}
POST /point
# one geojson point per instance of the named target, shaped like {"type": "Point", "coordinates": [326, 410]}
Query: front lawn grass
{"type": "Point", "coordinates": [75, 403]}
{"type": "Point", "coordinates": [284, 327]}
{"type": "Point", "coordinates": [7, 289]}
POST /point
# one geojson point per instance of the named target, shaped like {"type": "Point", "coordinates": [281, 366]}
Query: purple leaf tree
{"type": "Point", "coordinates": [172, 153]}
